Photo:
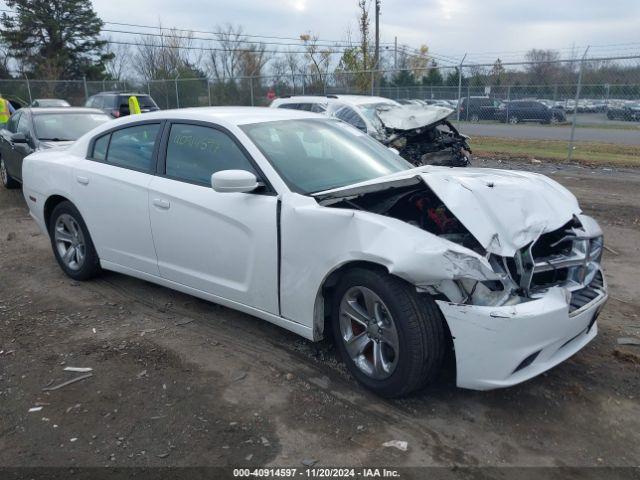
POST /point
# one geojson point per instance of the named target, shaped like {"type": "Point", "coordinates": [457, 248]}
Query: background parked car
{"type": "Point", "coordinates": [626, 111]}
{"type": "Point", "coordinates": [33, 129]}
{"type": "Point", "coordinates": [49, 103]}
{"type": "Point", "coordinates": [116, 104]}
{"type": "Point", "coordinates": [518, 111]}
{"type": "Point", "coordinates": [475, 109]}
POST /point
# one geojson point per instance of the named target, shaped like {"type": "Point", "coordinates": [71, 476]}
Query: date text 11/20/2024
{"type": "Point", "coordinates": [316, 472]}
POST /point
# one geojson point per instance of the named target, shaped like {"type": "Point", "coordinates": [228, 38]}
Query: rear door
{"type": "Point", "coordinates": [111, 191]}
{"type": "Point", "coordinates": [225, 244]}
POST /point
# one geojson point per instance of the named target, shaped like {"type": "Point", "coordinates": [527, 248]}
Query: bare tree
{"type": "Point", "coordinates": [119, 67]}
{"type": "Point", "coordinates": [319, 58]}
{"type": "Point", "coordinates": [543, 67]}
{"type": "Point", "coordinates": [164, 56]}
{"type": "Point", "coordinates": [226, 62]}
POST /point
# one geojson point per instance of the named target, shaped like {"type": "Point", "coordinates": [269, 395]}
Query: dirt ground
{"type": "Point", "coordinates": [178, 381]}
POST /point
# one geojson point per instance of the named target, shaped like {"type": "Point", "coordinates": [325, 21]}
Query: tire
{"type": "Point", "coordinates": [475, 118]}
{"type": "Point", "coordinates": [418, 324]}
{"type": "Point", "coordinates": [7, 180]}
{"type": "Point", "coordinates": [513, 120]}
{"type": "Point", "coordinates": [69, 233]}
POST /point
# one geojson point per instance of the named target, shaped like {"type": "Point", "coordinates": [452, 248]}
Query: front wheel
{"type": "Point", "coordinates": [391, 339]}
{"type": "Point", "coordinates": [71, 242]}
{"type": "Point", "coordinates": [7, 180]}
{"type": "Point", "coordinates": [513, 120]}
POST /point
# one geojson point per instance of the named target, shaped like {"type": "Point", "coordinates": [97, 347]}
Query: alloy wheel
{"type": "Point", "coordinates": [70, 242]}
{"type": "Point", "coordinates": [369, 333]}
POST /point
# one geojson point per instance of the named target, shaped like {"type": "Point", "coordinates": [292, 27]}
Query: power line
{"type": "Point", "coordinates": [230, 40]}
{"type": "Point", "coordinates": [206, 32]}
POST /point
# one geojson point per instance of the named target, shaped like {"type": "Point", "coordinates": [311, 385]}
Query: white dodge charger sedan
{"type": "Point", "coordinates": [308, 223]}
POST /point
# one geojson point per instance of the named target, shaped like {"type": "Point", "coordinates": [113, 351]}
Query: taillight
{"type": "Point", "coordinates": [115, 113]}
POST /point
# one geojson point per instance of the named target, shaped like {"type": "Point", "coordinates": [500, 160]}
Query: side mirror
{"type": "Point", "coordinates": [227, 181]}
{"type": "Point", "coordinates": [394, 150]}
{"type": "Point", "coordinates": [18, 137]}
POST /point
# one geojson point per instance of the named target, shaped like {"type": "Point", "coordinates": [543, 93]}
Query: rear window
{"type": "Point", "coordinates": [145, 101]}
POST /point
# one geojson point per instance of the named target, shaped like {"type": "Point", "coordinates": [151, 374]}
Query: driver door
{"type": "Point", "coordinates": [224, 244]}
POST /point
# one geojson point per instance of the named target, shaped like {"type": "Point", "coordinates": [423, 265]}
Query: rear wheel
{"type": "Point", "coordinates": [391, 339]}
{"type": "Point", "coordinates": [513, 120]}
{"type": "Point", "coordinates": [475, 118]}
{"type": "Point", "coordinates": [7, 180]}
{"type": "Point", "coordinates": [71, 242]}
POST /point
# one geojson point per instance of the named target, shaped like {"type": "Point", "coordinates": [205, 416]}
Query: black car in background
{"type": "Point", "coordinates": [32, 129]}
{"type": "Point", "coordinates": [629, 112]}
{"type": "Point", "coordinates": [116, 104]}
{"type": "Point", "coordinates": [474, 109]}
{"type": "Point", "coordinates": [517, 111]}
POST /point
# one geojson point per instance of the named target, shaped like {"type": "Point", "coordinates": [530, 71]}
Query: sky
{"type": "Point", "coordinates": [483, 28]}
{"type": "Point", "coordinates": [486, 29]}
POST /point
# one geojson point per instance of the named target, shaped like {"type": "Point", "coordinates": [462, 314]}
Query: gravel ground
{"type": "Point", "coordinates": [181, 382]}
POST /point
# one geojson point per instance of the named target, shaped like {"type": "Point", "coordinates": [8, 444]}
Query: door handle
{"type": "Point", "coordinates": [163, 204]}
{"type": "Point", "coordinates": [82, 180]}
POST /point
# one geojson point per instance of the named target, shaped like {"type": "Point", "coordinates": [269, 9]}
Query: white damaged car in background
{"type": "Point", "coordinates": [308, 223]}
{"type": "Point", "coordinates": [422, 134]}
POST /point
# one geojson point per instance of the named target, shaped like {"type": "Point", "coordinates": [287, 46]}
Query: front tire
{"type": "Point", "coordinates": [7, 180]}
{"type": "Point", "coordinates": [390, 338]}
{"type": "Point", "coordinates": [72, 244]}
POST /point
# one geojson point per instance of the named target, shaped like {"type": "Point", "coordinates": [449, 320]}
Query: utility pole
{"type": "Point", "coordinates": [377, 52]}
{"type": "Point", "coordinates": [395, 53]}
{"type": "Point", "coordinates": [376, 56]}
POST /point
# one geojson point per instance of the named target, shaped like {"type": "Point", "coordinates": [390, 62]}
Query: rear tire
{"type": "Point", "coordinates": [417, 321]}
{"type": "Point", "coordinates": [7, 180]}
{"type": "Point", "coordinates": [72, 244]}
{"type": "Point", "coordinates": [513, 120]}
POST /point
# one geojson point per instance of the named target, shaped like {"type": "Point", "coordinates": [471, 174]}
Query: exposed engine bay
{"type": "Point", "coordinates": [440, 145]}
{"type": "Point", "coordinates": [568, 256]}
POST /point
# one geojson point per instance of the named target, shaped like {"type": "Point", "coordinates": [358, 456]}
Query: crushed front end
{"type": "Point", "coordinates": [518, 278]}
{"type": "Point", "coordinates": [542, 311]}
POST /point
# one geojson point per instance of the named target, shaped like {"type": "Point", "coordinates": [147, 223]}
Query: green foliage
{"type": "Point", "coordinates": [55, 39]}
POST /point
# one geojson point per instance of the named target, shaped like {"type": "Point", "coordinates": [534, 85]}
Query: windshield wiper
{"type": "Point", "coordinates": [55, 139]}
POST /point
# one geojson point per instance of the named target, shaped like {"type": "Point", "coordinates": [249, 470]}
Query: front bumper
{"type": "Point", "coordinates": [499, 347]}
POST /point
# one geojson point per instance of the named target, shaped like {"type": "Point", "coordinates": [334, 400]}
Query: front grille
{"type": "Point", "coordinates": [564, 257]}
{"type": "Point", "coordinates": [585, 295]}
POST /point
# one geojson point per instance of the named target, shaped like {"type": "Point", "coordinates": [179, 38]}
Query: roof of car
{"type": "Point", "coordinates": [63, 110]}
{"type": "Point", "coordinates": [229, 115]}
{"type": "Point", "coordinates": [121, 93]}
{"type": "Point", "coordinates": [348, 99]}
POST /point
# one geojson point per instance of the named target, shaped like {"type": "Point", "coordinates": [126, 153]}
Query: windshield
{"type": "Point", "coordinates": [66, 126]}
{"type": "Point", "coordinates": [312, 155]}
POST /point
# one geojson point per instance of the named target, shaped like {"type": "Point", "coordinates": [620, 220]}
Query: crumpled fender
{"type": "Point", "coordinates": [317, 240]}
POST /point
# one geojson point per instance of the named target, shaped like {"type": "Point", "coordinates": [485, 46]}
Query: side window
{"type": "Point", "coordinates": [349, 115]}
{"type": "Point", "coordinates": [12, 124]}
{"type": "Point", "coordinates": [318, 108]}
{"type": "Point", "coordinates": [290, 106]}
{"type": "Point", "coordinates": [23, 124]}
{"type": "Point", "coordinates": [132, 147]}
{"type": "Point", "coordinates": [195, 152]}
{"type": "Point", "coordinates": [91, 102]}
{"type": "Point", "coordinates": [100, 148]}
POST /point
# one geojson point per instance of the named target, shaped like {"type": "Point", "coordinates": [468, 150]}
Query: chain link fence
{"type": "Point", "coordinates": [494, 99]}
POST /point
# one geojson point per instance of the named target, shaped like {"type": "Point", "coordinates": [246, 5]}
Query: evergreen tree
{"type": "Point", "coordinates": [55, 39]}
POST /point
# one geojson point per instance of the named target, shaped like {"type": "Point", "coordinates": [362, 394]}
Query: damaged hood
{"type": "Point", "coordinates": [504, 210]}
{"type": "Point", "coordinates": [412, 117]}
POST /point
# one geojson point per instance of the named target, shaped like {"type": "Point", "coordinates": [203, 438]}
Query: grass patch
{"type": "Point", "coordinates": [591, 153]}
